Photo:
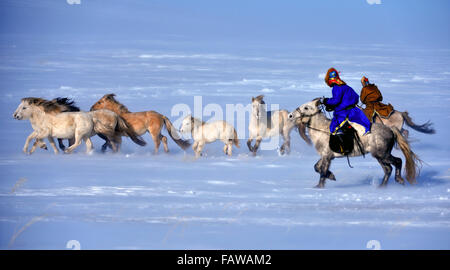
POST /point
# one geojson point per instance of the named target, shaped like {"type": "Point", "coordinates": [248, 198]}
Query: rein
{"type": "Point", "coordinates": [308, 124]}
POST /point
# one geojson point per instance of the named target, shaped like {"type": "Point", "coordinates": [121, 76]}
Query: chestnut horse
{"type": "Point", "coordinates": [142, 122]}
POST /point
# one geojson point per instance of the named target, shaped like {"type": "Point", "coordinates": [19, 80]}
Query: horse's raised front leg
{"type": "Point", "coordinates": [27, 141]}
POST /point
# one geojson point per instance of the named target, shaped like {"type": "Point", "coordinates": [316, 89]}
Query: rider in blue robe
{"type": "Point", "coordinates": [343, 103]}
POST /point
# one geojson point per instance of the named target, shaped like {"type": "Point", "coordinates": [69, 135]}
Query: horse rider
{"type": "Point", "coordinates": [371, 97]}
{"type": "Point", "coordinates": [343, 103]}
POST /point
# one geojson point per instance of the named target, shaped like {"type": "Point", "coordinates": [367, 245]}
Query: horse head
{"type": "Point", "coordinates": [25, 108]}
{"type": "Point", "coordinates": [306, 111]}
{"type": "Point", "coordinates": [110, 103]}
{"type": "Point", "coordinates": [258, 105]}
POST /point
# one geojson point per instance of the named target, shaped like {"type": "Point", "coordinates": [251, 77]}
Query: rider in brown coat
{"type": "Point", "coordinates": [371, 97]}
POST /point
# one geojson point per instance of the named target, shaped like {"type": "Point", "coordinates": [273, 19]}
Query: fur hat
{"type": "Point", "coordinates": [332, 78]}
{"type": "Point", "coordinates": [365, 81]}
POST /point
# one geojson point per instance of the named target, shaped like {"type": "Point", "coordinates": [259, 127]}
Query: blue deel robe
{"type": "Point", "coordinates": [343, 98]}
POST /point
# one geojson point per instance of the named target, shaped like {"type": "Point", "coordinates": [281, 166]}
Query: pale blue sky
{"type": "Point", "coordinates": [412, 22]}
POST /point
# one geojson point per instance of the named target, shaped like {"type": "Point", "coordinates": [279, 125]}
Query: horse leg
{"type": "Point", "coordinates": [164, 141]}
{"type": "Point", "coordinates": [256, 146]}
{"type": "Point", "coordinates": [225, 149]}
{"type": "Point", "coordinates": [61, 144]}
{"type": "Point", "coordinates": [71, 141]}
{"type": "Point", "coordinates": [194, 146]}
{"type": "Point", "coordinates": [286, 147]}
{"type": "Point", "coordinates": [75, 144]}
{"type": "Point", "coordinates": [329, 175]}
{"type": "Point", "coordinates": [323, 169]}
{"type": "Point", "coordinates": [155, 133]}
{"type": "Point", "coordinates": [156, 141]}
{"type": "Point", "coordinates": [41, 144]}
{"type": "Point", "coordinates": [118, 140]}
{"type": "Point", "coordinates": [36, 143]}
{"type": "Point", "coordinates": [229, 147]}
{"type": "Point", "coordinates": [200, 146]}
{"type": "Point", "coordinates": [27, 141]}
{"type": "Point", "coordinates": [387, 168]}
{"type": "Point", "coordinates": [249, 144]}
{"type": "Point", "coordinates": [113, 144]}
{"type": "Point", "coordinates": [105, 145]}
{"type": "Point", "coordinates": [397, 162]}
{"type": "Point", "coordinates": [89, 145]}
{"type": "Point", "coordinates": [52, 143]}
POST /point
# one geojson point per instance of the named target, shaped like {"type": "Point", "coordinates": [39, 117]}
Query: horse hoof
{"type": "Point", "coordinates": [332, 177]}
{"type": "Point", "coordinates": [382, 186]}
{"type": "Point", "coordinates": [400, 180]}
{"type": "Point", "coordinates": [319, 186]}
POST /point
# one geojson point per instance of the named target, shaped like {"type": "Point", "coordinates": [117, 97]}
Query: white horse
{"type": "Point", "coordinates": [66, 125]}
{"type": "Point", "coordinates": [203, 133]}
{"type": "Point", "coordinates": [265, 124]}
{"type": "Point", "coordinates": [379, 143]}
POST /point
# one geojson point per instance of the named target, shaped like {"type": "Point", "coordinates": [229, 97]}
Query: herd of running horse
{"type": "Point", "coordinates": [59, 118]}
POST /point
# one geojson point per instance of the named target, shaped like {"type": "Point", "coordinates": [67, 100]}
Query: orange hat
{"type": "Point", "coordinates": [332, 78]}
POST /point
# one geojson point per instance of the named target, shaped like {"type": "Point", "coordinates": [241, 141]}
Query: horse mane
{"type": "Point", "coordinates": [122, 108]}
{"type": "Point", "coordinates": [56, 105]}
{"type": "Point", "coordinates": [196, 120]}
{"type": "Point", "coordinates": [67, 103]}
{"type": "Point", "coordinates": [259, 99]}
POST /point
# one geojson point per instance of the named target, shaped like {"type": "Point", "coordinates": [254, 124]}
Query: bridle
{"type": "Point", "coordinates": [307, 124]}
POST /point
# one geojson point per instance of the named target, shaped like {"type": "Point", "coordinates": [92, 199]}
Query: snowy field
{"type": "Point", "coordinates": [137, 200]}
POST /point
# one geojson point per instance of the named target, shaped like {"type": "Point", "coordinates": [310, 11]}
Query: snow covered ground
{"type": "Point", "coordinates": [137, 200]}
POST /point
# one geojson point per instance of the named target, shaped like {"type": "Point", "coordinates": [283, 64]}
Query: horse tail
{"type": "Point", "coordinates": [412, 160]}
{"type": "Point", "coordinates": [235, 139]}
{"type": "Point", "coordinates": [302, 131]}
{"type": "Point", "coordinates": [174, 134]}
{"type": "Point", "coordinates": [424, 128]}
{"type": "Point", "coordinates": [124, 127]}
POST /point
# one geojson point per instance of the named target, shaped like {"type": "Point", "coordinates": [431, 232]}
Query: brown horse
{"type": "Point", "coordinates": [142, 122]}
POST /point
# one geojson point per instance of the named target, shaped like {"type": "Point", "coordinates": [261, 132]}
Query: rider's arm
{"type": "Point", "coordinates": [337, 97]}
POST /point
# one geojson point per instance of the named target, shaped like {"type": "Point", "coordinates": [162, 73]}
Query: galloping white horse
{"type": "Point", "coordinates": [265, 124]}
{"type": "Point", "coordinates": [203, 133]}
{"type": "Point", "coordinates": [66, 125]}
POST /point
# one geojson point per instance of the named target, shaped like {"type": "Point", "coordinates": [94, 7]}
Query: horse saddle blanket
{"type": "Point", "coordinates": [343, 141]}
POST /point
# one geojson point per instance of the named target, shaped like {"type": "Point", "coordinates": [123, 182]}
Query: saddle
{"type": "Point", "coordinates": [343, 142]}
